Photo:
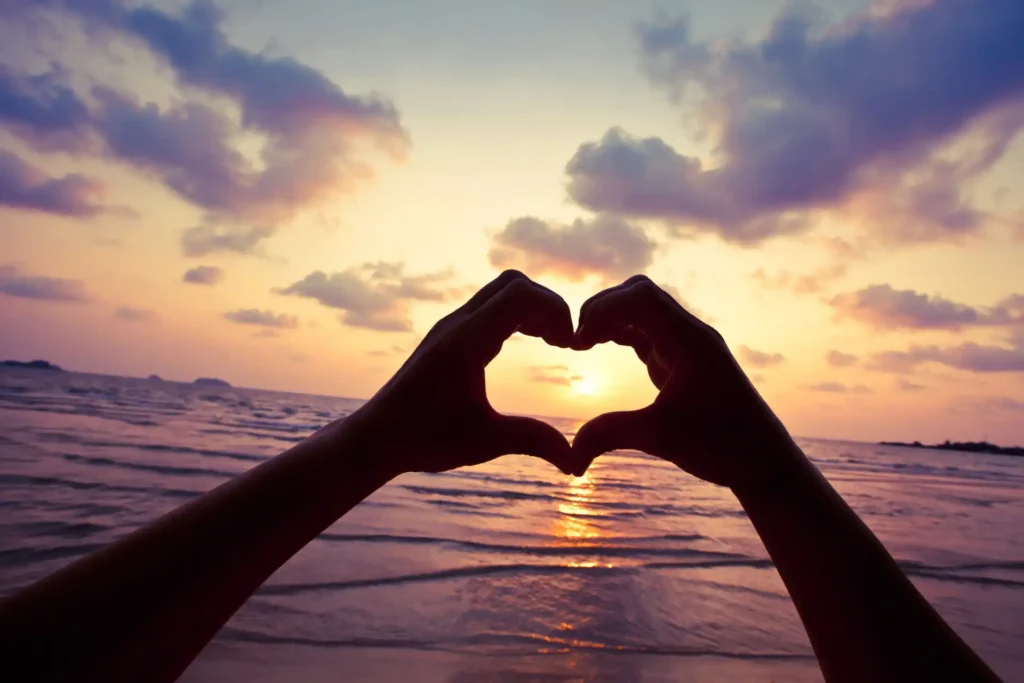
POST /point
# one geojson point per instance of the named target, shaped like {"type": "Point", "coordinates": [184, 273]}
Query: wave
{"type": "Point", "coordinates": [63, 437]}
{"type": "Point", "coordinates": [145, 467]}
{"type": "Point", "coordinates": [504, 639]}
{"type": "Point", "coordinates": [583, 549]}
{"type": "Point", "coordinates": [32, 480]}
{"type": "Point", "coordinates": [503, 569]}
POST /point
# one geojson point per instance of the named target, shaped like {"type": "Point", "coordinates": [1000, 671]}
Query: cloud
{"type": "Point", "coordinates": [43, 288]}
{"type": "Point", "coordinates": [132, 314]}
{"type": "Point", "coordinates": [307, 142]}
{"type": "Point", "coordinates": [813, 115]}
{"type": "Point", "coordinates": [970, 357]}
{"type": "Point", "coordinates": [24, 186]}
{"type": "Point", "coordinates": [254, 316]}
{"type": "Point", "coordinates": [42, 111]}
{"type": "Point", "coordinates": [999, 403]}
{"type": "Point", "coordinates": [838, 388]}
{"type": "Point", "coordinates": [375, 296]}
{"type": "Point", "coordinates": [810, 283]}
{"type": "Point", "coordinates": [904, 384]}
{"type": "Point", "coordinates": [203, 240]}
{"type": "Point", "coordinates": [885, 308]}
{"type": "Point", "coordinates": [760, 359]}
{"type": "Point", "coordinates": [203, 275]}
{"type": "Point", "coordinates": [605, 246]}
{"type": "Point", "coordinates": [553, 374]}
{"type": "Point", "coordinates": [838, 359]}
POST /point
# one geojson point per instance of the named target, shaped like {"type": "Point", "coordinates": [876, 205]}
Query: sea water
{"type": "Point", "coordinates": [506, 572]}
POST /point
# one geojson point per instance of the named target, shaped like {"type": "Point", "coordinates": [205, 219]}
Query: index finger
{"type": "Point", "coordinates": [521, 306]}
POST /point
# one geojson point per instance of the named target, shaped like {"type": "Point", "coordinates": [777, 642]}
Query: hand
{"type": "Point", "coordinates": [434, 414]}
{"type": "Point", "coordinates": [708, 419]}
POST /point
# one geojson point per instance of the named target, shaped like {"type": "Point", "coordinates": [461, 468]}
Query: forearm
{"type": "Point", "coordinates": [865, 620]}
{"type": "Point", "coordinates": [142, 608]}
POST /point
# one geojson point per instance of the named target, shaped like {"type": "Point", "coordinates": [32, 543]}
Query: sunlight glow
{"type": "Point", "coordinates": [584, 385]}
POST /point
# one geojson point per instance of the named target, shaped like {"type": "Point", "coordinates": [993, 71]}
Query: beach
{"type": "Point", "coordinates": [509, 571]}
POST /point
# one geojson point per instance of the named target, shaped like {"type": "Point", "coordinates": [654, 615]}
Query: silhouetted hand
{"type": "Point", "coordinates": [708, 419]}
{"type": "Point", "coordinates": [434, 414]}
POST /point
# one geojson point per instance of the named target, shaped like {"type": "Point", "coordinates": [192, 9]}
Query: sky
{"type": "Point", "coordinates": [287, 195]}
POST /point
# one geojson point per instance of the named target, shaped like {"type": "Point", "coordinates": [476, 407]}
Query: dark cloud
{"type": "Point", "coordinates": [838, 388]}
{"type": "Point", "coordinates": [132, 314]}
{"type": "Point", "coordinates": [13, 282]}
{"type": "Point", "coordinates": [24, 186]}
{"type": "Point", "coordinates": [254, 316]}
{"type": "Point", "coordinates": [838, 359]}
{"type": "Point", "coordinates": [314, 140]}
{"type": "Point", "coordinates": [203, 275]}
{"type": "Point", "coordinates": [605, 246]}
{"type": "Point", "coordinates": [883, 307]}
{"type": "Point", "coordinates": [375, 295]}
{"type": "Point", "coordinates": [759, 359]}
{"type": "Point", "coordinates": [815, 115]}
{"type": "Point", "coordinates": [42, 111]}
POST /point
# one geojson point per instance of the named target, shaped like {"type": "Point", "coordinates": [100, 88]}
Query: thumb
{"type": "Point", "coordinates": [629, 429]}
{"type": "Point", "coordinates": [528, 436]}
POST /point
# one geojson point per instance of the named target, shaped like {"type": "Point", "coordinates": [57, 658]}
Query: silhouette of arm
{"type": "Point", "coordinates": [143, 608]}
{"type": "Point", "coordinates": [866, 621]}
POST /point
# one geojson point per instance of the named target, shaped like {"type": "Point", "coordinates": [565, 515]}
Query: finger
{"type": "Point", "coordinates": [605, 292]}
{"type": "Point", "coordinates": [522, 306]}
{"type": "Point", "coordinates": [490, 289]}
{"type": "Point", "coordinates": [638, 305]}
{"type": "Point", "coordinates": [632, 429]}
{"type": "Point", "coordinates": [528, 436]}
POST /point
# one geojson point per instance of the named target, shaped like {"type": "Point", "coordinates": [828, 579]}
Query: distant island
{"type": "Point", "coordinates": [211, 382]}
{"type": "Point", "coordinates": [154, 378]}
{"type": "Point", "coordinates": [32, 365]}
{"type": "Point", "coordinates": [966, 446]}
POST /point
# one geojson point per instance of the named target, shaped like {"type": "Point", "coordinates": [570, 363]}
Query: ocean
{"type": "Point", "coordinates": [507, 572]}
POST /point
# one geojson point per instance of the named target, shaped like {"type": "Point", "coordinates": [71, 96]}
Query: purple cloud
{"type": "Point", "coordinates": [759, 359]}
{"type": "Point", "coordinates": [553, 374]}
{"type": "Point", "coordinates": [883, 307]}
{"type": "Point", "coordinates": [375, 296]}
{"type": "Point", "coordinates": [316, 139]}
{"type": "Point", "coordinates": [15, 283]}
{"type": "Point", "coordinates": [838, 388]}
{"type": "Point", "coordinates": [132, 314]}
{"type": "Point", "coordinates": [269, 319]}
{"type": "Point", "coordinates": [42, 111]}
{"type": "Point", "coordinates": [838, 359]}
{"type": "Point", "coordinates": [814, 115]}
{"type": "Point", "coordinates": [605, 246]}
{"type": "Point", "coordinates": [203, 275]}
{"type": "Point", "coordinates": [969, 357]}
{"type": "Point", "coordinates": [206, 239]}
{"type": "Point", "coordinates": [24, 186]}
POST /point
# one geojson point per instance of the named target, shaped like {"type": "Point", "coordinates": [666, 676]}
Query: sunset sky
{"type": "Point", "coordinates": [287, 194]}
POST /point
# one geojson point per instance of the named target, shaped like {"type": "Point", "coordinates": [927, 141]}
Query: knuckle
{"type": "Point", "coordinates": [512, 274]}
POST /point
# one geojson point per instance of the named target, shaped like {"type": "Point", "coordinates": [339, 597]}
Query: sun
{"type": "Point", "coordinates": [584, 385]}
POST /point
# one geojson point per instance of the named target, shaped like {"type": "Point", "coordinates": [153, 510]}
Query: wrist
{"type": "Point", "coordinates": [781, 470]}
{"type": "Point", "coordinates": [362, 439]}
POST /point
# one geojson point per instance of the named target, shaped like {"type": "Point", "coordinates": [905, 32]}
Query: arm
{"type": "Point", "coordinates": [864, 618]}
{"type": "Point", "coordinates": [144, 607]}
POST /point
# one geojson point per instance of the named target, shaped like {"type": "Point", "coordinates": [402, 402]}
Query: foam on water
{"type": "Point", "coordinates": [507, 571]}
